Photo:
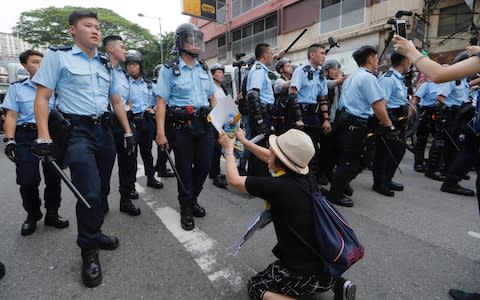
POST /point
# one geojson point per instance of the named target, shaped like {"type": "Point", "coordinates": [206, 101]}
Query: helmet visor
{"type": "Point", "coordinates": [192, 41]}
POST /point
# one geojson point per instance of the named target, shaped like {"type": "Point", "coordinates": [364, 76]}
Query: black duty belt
{"type": "Point", "coordinates": [187, 112]}
{"type": "Point", "coordinates": [401, 110]}
{"type": "Point", "coordinates": [27, 126]}
{"type": "Point", "coordinates": [89, 120]}
{"type": "Point", "coordinates": [268, 107]}
{"type": "Point", "coordinates": [453, 108]}
{"type": "Point", "coordinates": [308, 107]}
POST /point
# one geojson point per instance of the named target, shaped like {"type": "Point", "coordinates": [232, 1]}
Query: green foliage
{"type": "Point", "coordinates": [49, 26]}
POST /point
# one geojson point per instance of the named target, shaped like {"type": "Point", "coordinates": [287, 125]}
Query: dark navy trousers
{"type": "Point", "coordinates": [193, 149]}
{"type": "Point", "coordinates": [145, 133]}
{"type": "Point", "coordinates": [28, 176]}
{"type": "Point", "coordinates": [127, 164]}
{"type": "Point", "coordinates": [90, 155]}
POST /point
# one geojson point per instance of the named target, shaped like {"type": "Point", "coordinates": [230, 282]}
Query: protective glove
{"type": "Point", "coordinates": [10, 147]}
{"type": "Point", "coordinates": [43, 148]}
{"type": "Point", "coordinates": [129, 143]}
{"type": "Point", "coordinates": [389, 133]}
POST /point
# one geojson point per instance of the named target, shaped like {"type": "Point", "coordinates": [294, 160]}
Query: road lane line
{"type": "Point", "coordinates": [474, 234]}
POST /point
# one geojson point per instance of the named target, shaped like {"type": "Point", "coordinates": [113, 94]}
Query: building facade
{"type": "Point", "coordinates": [438, 26]}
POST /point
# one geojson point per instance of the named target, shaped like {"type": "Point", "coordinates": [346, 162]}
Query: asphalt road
{"type": "Point", "coordinates": [417, 244]}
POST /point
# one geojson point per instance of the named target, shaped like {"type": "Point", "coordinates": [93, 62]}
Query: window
{"type": "Point", "coordinates": [337, 14]}
{"type": "Point", "coordinates": [222, 48]}
{"type": "Point", "coordinates": [242, 6]}
{"type": "Point", "coordinates": [245, 38]}
{"type": "Point", "coordinates": [454, 19]}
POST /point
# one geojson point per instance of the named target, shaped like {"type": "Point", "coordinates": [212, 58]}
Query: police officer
{"type": "Point", "coordinates": [450, 96]}
{"type": "Point", "coordinates": [243, 109]}
{"type": "Point", "coordinates": [282, 117]}
{"type": "Point", "coordinates": [20, 133]}
{"type": "Point", "coordinates": [186, 85]}
{"type": "Point", "coordinates": [389, 153]}
{"type": "Point", "coordinates": [84, 82]}
{"type": "Point", "coordinates": [361, 97]}
{"type": "Point", "coordinates": [309, 87]}
{"type": "Point", "coordinates": [260, 99]}
{"type": "Point", "coordinates": [219, 179]}
{"type": "Point", "coordinates": [161, 164]}
{"type": "Point", "coordinates": [426, 99]}
{"type": "Point", "coordinates": [143, 100]}
{"type": "Point", "coordinates": [465, 137]}
{"type": "Point", "coordinates": [328, 149]}
{"type": "Point", "coordinates": [127, 162]}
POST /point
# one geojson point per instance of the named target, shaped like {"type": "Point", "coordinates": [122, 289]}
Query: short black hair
{"type": "Point", "coordinates": [110, 38]}
{"type": "Point", "coordinates": [260, 50]}
{"type": "Point", "coordinates": [397, 59]}
{"type": "Point", "coordinates": [79, 14]}
{"type": "Point", "coordinates": [27, 53]}
{"type": "Point", "coordinates": [313, 48]}
{"type": "Point", "coordinates": [362, 54]}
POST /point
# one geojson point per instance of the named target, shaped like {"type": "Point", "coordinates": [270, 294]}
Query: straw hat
{"type": "Point", "coordinates": [294, 148]}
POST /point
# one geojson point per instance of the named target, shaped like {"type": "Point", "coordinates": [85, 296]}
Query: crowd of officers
{"type": "Point", "coordinates": [83, 109]}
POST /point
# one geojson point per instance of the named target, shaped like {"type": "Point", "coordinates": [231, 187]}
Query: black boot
{"type": "Point", "coordinates": [166, 173]}
{"type": "Point", "coordinates": [30, 223]}
{"type": "Point", "coordinates": [2, 270]}
{"type": "Point", "coordinates": [153, 183]}
{"type": "Point", "coordinates": [348, 190]}
{"type": "Point", "coordinates": [127, 207]}
{"type": "Point", "coordinates": [91, 271]}
{"type": "Point", "coordinates": [437, 175]}
{"type": "Point", "coordinates": [186, 215]}
{"type": "Point", "coordinates": [419, 167]}
{"type": "Point", "coordinates": [383, 190]}
{"type": "Point", "coordinates": [220, 181]}
{"type": "Point", "coordinates": [133, 194]}
{"type": "Point", "coordinates": [395, 186]}
{"type": "Point", "coordinates": [461, 295]}
{"type": "Point", "coordinates": [455, 188]}
{"type": "Point", "coordinates": [198, 211]}
{"type": "Point", "coordinates": [53, 219]}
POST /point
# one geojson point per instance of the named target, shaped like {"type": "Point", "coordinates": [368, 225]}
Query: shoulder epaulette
{"type": "Point", "coordinates": [258, 66]}
{"type": "Point", "coordinates": [149, 84]}
{"type": "Point", "coordinates": [19, 81]}
{"type": "Point", "coordinates": [389, 73]}
{"type": "Point", "coordinates": [308, 69]}
{"type": "Point", "coordinates": [204, 65]}
{"type": "Point", "coordinates": [60, 48]}
{"type": "Point", "coordinates": [174, 65]}
{"type": "Point", "coordinates": [105, 60]}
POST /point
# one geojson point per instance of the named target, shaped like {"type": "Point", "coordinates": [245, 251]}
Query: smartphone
{"type": "Point", "coordinates": [401, 28]}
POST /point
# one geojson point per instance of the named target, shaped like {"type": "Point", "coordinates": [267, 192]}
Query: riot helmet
{"type": "Point", "coordinates": [281, 63]}
{"type": "Point", "coordinates": [135, 56]}
{"type": "Point", "coordinates": [189, 39]}
{"type": "Point", "coordinates": [217, 66]}
{"type": "Point", "coordinates": [328, 64]}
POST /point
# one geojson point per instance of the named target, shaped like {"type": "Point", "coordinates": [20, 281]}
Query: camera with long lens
{"type": "Point", "coordinates": [238, 60]}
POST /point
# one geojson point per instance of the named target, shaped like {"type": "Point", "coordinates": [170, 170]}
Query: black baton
{"type": "Point", "coordinates": [50, 160]}
{"type": "Point", "coordinates": [170, 160]}
{"type": "Point", "coordinates": [295, 40]}
{"type": "Point", "coordinates": [391, 154]}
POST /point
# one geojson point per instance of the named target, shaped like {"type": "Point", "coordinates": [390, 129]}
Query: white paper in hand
{"type": "Point", "coordinates": [222, 112]}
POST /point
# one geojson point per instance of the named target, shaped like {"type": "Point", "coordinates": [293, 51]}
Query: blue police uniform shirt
{"type": "Point", "coordinates": [394, 89]}
{"type": "Point", "coordinates": [20, 98]}
{"type": "Point", "coordinates": [123, 85]}
{"type": "Point", "coordinates": [192, 87]}
{"type": "Point", "coordinates": [359, 92]}
{"type": "Point", "coordinates": [141, 95]}
{"type": "Point", "coordinates": [308, 90]}
{"type": "Point", "coordinates": [454, 94]}
{"type": "Point", "coordinates": [83, 84]}
{"type": "Point", "coordinates": [258, 79]}
{"type": "Point", "coordinates": [427, 95]}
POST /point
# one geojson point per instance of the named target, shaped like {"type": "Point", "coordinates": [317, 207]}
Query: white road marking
{"type": "Point", "coordinates": [202, 248]}
{"type": "Point", "coordinates": [474, 234]}
{"type": "Point", "coordinates": [211, 259]}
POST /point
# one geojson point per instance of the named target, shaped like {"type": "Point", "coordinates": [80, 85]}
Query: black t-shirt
{"type": "Point", "coordinates": [290, 206]}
